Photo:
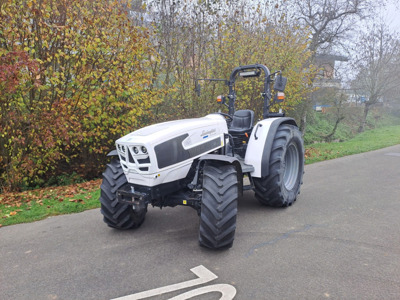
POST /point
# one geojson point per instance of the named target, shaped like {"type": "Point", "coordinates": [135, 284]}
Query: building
{"type": "Point", "coordinates": [326, 80]}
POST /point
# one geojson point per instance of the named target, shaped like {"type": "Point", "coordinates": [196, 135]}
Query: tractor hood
{"type": "Point", "coordinates": [153, 134]}
{"type": "Point", "coordinates": [166, 146]}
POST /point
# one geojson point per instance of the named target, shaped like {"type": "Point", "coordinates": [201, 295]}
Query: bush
{"type": "Point", "coordinates": [77, 76]}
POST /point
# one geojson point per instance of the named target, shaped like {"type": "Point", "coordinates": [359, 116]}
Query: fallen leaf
{"type": "Point", "coordinates": [13, 213]}
{"type": "Point", "coordinates": [37, 196]}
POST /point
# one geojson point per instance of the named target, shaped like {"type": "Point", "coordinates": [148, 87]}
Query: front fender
{"type": "Point", "coordinates": [228, 160]}
{"type": "Point", "coordinates": [113, 153]}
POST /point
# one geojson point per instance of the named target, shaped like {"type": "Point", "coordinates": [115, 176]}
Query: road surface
{"type": "Point", "coordinates": [340, 240]}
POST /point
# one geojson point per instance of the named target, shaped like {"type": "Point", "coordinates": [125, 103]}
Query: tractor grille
{"type": "Point", "coordinates": [133, 161]}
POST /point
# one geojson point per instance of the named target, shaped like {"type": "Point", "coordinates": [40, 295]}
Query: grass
{"type": "Point", "coordinates": [38, 204]}
{"type": "Point", "coordinates": [321, 125]}
{"type": "Point", "coordinates": [368, 141]}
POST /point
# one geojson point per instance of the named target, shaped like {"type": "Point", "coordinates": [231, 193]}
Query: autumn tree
{"type": "Point", "coordinates": [377, 63]}
{"type": "Point", "coordinates": [207, 39]}
{"type": "Point", "coordinates": [183, 32]}
{"type": "Point", "coordinates": [96, 70]}
{"type": "Point", "coordinates": [330, 23]}
{"type": "Point", "coordinates": [77, 78]}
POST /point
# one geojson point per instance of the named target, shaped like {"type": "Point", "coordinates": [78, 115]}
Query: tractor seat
{"type": "Point", "coordinates": [242, 122]}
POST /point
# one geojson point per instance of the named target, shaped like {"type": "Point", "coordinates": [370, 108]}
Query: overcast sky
{"type": "Point", "coordinates": [392, 13]}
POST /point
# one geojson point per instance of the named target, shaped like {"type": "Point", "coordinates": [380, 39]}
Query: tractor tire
{"type": "Point", "coordinates": [218, 206]}
{"type": "Point", "coordinates": [115, 214]}
{"type": "Point", "coordinates": [286, 167]}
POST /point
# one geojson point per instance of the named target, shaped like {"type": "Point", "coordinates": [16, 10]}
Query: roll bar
{"type": "Point", "coordinates": [266, 94]}
{"type": "Point", "coordinates": [249, 71]}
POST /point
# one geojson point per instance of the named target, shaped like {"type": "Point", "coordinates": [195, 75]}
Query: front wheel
{"type": "Point", "coordinates": [117, 215]}
{"type": "Point", "coordinates": [286, 168]}
{"type": "Point", "coordinates": [218, 206]}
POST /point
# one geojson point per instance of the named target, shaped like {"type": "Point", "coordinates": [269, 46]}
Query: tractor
{"type": "Point", "coordinates": [206, 163]}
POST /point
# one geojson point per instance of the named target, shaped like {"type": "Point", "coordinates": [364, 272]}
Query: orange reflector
{"type": "Point", "coordinates": [281, 96]}
{"type": "Point", "coordinates": [246, 134]}
{"type": "Point", "coordinates": [219, 99]}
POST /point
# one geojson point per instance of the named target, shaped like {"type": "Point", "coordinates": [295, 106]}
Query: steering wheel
{"type": "Point", "coordinates": [227, 116]}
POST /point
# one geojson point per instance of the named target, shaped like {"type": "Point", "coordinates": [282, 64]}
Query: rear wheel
{"type": "Point", "coordinates": [218, 206]}
{"type": "Point", "coordinates": [117, 215]}
{"type": "Point", "coordinates": [286, 168]}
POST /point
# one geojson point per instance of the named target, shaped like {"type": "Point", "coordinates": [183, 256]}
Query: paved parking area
{"type": "Point", "coordinates": [340, 240]}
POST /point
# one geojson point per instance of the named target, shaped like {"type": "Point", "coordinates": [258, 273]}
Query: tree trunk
{"type": "Point", "coordinates": [305, 108]}
{"type": "Point", "coordinates": [329, 137]}
{"type": "Point", "coordinates": [303, 122]}
{"type": "Point", "coordinates": [364, 119]}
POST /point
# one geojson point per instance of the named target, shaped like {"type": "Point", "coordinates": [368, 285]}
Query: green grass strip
{"type": "Point", "coordinates": [367, 141]}
{"type": "Point", "coordinates": [39, 204]}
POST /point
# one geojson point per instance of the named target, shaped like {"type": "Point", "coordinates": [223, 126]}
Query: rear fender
{"type": "Point", "coordinates": [260, 144]}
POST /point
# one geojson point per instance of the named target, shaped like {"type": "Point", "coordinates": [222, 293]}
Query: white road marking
{"type": "Point", "coordinates": [204, 276]}
{"type": "Point", "coordinates": [228, 292]}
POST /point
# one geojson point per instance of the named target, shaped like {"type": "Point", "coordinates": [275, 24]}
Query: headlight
{"type": "Point", "coordinates": [144, 150]}
{"type": "Point", "coordinates": [136, 150]}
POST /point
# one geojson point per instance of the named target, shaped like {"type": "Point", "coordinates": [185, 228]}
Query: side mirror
{"type": "Point", "coordinates": [280, 83]}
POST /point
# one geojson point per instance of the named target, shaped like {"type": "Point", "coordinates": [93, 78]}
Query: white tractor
{"type": "Point", "coordinates": [202, 162]}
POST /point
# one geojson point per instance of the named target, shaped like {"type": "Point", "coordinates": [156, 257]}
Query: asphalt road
{"type": "Point", "coordinates": [340, 240]}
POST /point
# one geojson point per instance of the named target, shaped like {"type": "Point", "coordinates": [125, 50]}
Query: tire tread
{"type": "Point", "coordinates": [219, 206]}
{"type": "Point", "coordinates": [115, 214]}
{"type": "Point", "coordinates": [269, 190]}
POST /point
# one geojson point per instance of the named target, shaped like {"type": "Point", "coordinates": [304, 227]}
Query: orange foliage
{"type": "Point", "coordinates": [74, 77]}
